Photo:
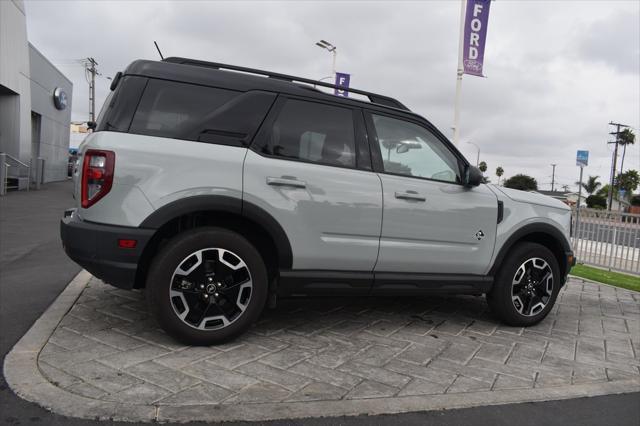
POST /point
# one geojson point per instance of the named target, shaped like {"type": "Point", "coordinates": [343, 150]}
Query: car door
{"type": "Point", "coordinates": [432, 223]}
{"type": "Point", "coordinates": [310, 169]}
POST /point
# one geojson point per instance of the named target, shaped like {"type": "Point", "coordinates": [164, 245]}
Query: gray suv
{"type": "Point", "coordinates": [219, 189]}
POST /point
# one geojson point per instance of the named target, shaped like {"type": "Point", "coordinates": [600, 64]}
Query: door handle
{"type": "Point", "coordinates": [410, 195]}
{"type": "Point", "coordinates": [274, 181]}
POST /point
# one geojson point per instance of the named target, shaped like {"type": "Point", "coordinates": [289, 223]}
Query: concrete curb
{"type": "Point", "coordinates": [25, 378]}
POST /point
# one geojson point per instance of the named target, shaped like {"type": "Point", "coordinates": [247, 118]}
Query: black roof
{"type": "Point", "coordinates": [244, 79]}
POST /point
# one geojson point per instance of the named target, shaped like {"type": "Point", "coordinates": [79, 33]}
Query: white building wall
{"type": "Point", "coordinates": [54, 126]}
{"type": "Point", "coordinates": [15, 127]}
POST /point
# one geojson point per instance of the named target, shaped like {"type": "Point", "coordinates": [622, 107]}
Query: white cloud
{"type": "Point", "coordinates": [558, 72]}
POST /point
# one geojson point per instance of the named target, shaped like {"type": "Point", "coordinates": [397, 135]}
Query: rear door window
{"type": "Point", "coordinates": [313, 132]}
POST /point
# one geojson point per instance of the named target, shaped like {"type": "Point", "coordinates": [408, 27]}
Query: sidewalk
{"type": "Point", "coordinates": [106, 357]}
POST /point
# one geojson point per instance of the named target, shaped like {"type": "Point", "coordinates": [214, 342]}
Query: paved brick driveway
{"type": "Point", "coordinates": [107, 348]}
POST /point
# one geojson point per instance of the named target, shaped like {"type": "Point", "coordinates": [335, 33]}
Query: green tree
{"type": "Point", "coordinates": [482, 166]}
{"type": "Point", "coordinates": [626, 137]}
{"type": "Point", "coordinates": [596, 202]}
{"type": "Point", "coordinates": [521, 182]}
{"type": "Point", "coordinates": [603, 191]}
{"type": "Point", "coordinates": [628, 181]}
{"type": "Point", "coordinates": [499, 173]}
{"type": "Point", "coordinates": [591, 185]}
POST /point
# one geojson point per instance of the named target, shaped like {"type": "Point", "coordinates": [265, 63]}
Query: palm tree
{"type": "Point", "coordinates": [591, 185]}
{"type": "Point", "coordinates": [499, 173]}
{"type": "Point", "coordinates": [625, 137]}
{"type": "Point", "coordinates": [482, 166]}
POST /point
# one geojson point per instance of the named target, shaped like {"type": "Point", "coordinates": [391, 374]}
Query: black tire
{"type": "Point", "coordinates": [161, 279]}
{"type": "Point", "coordinates": [501, 297]}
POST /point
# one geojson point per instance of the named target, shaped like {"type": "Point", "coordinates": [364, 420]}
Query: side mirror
{"type": "Point", "coordinates": [472, 176]}
{"type": "Point", "coordinates": [91, 125]}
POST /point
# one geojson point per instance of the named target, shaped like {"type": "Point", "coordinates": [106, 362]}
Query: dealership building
{"type": "Point", "coordinates": [35, 107]}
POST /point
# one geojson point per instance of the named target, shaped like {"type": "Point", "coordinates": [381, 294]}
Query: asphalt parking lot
{"type": "Point", "coordinates": [312, 352]}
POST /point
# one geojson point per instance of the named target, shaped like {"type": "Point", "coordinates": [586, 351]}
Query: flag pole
{"type": "Point", "coordinates": [456, 110]}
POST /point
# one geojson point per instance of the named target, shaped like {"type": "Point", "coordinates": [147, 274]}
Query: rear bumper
{"type": "Point", "coordinates": [95, 247]}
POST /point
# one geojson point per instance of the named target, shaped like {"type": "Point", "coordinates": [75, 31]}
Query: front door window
{"type": "Point", "coordinates": [411, 150]}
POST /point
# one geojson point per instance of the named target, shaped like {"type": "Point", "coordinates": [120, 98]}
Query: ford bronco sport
{"type": "Point", "coordinates": [218, 188]}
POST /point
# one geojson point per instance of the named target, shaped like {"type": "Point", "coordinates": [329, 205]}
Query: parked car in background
{"type": "Point", "coordinates": [73, 158]}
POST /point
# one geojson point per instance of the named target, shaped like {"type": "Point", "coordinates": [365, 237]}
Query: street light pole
{"type": "Point", "coordinates": [478, 157]}
{"type": "Point", "coordinates": [333, 50]}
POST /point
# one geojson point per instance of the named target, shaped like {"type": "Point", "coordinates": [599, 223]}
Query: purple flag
{"type": "Point", "coordinates": [342, 80]}
{"type": "Point", "coordinates": [475, 35]}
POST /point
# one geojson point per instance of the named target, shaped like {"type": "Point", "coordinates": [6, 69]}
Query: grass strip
{"type": "Point", "coordinates": [630, 282]}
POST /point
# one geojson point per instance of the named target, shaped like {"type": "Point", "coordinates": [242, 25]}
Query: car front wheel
{"type": "Point", "coordinates": [526, 286]}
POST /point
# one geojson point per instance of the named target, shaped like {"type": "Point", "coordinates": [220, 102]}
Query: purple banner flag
{"type": "Point", "coordinates": [342, 80]}
{"type": "Point", "coordinates": [475, 35]}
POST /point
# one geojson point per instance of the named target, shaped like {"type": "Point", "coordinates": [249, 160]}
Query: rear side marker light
{"type": "Point", "coordinates": [127, 244]}
{"type": "Point", "coordinates": [97, 176]}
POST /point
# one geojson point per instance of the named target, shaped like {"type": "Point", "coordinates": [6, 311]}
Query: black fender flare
{"type": "Point", "coordinates": [522, 233]}
{"type": "Point", "coordinates": [229, 205]}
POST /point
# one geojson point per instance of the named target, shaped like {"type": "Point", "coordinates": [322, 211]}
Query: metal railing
{"type": "Point", "coordinates": [607, 239]}
{"type": "Point", "coordinates": [8, 164]}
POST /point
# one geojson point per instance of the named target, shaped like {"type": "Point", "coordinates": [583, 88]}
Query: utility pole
{"type": "Point", "coordinates": [553, 177]}
{"type": "Point", "coordinates": [614, 161]}
{"type": "Point", "coordinates": [90, 68]}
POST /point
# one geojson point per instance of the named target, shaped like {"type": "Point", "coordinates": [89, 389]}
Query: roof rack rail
{"type": "Point", "coordinates": [373, 97]}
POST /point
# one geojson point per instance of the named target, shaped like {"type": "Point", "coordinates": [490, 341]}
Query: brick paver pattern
{"type": "Point", "coordinates": [107, 347]}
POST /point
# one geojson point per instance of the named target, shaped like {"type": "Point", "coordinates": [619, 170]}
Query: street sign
{"type": "Point", "coordinates": [342, 80]}
{"type": "Point", "coordinates": [582, 159]}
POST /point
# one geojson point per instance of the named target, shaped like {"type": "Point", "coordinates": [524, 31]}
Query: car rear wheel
{"type": "Point", "coordinates": [526, 286]}
{"type": "Point", "coordinates": [207, 286]}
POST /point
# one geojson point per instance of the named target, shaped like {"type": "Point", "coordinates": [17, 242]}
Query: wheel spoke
{"type": "Point", "coordinates": [200, 321]}
{"type": "Point", "coordinates": [536, 304]}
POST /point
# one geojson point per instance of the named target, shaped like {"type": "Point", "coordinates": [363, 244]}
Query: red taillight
{"type": "Point", "coordinates": [97, 175]}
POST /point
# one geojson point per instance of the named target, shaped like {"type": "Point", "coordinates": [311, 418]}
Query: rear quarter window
{"type": "Point", "coordinates": [199, 113]}
{"type": "Point", "coordinates": [175, 110]}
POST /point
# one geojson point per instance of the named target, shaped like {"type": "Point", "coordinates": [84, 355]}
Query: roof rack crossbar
{"type": "Point", "coordinates": [373, 97]}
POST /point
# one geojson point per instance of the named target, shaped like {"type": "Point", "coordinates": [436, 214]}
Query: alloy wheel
{"type": "Point", "coordinates": [210, 289]}
{"type": "Point", "coordinates": [532, 286]}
